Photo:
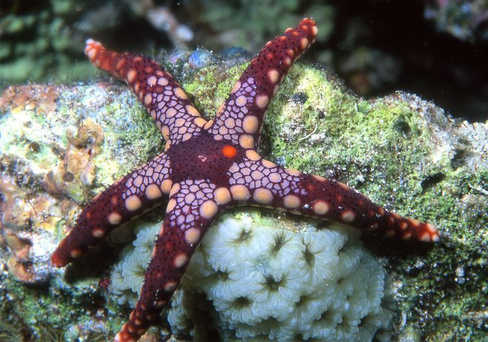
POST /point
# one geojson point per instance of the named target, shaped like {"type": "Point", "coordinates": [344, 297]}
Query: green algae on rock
{"type": "Point", "coordinates": [400, 151]}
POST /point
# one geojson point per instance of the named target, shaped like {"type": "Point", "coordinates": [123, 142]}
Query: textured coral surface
{"type": "Point", "coordinates": [263, 277]}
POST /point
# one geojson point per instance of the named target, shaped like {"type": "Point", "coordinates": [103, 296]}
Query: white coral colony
{"type": "Point", "coordinates": [265, 282]}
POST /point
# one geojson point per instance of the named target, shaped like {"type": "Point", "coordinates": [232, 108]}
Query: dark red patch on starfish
{"type": "Point", "coordinates": [203, 157]}
{"type": "Point", "coordinates": [208, 166]}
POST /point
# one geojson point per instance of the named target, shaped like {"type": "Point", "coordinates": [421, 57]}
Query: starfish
{"type": "Point", "coordinates": [209, 166]}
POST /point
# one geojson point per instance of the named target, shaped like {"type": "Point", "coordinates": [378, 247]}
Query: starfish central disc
{"type": "Point", "coordinates": [203, 157]}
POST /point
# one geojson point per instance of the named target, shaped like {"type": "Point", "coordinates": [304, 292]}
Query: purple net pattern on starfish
{"type": "Point", "coordinates": [208, 166]}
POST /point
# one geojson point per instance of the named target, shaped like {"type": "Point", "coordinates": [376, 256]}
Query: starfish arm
{"type": "Point", "coordinates": [270, 185]}
{"type": "Point", "coordinates": [174, 114]}
{"type": "Point", "coordinates": [191, 210]}
{"type": "Point", "coordinates": [240, 118]}
{"type": "Point", "coordinates": [121, 202]}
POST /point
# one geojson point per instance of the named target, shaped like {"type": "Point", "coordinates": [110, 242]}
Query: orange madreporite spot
{"type": "Point", "coordinates": [229, 151]}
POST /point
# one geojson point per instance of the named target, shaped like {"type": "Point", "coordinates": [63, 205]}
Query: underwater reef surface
{"type": "Point", "coordinates": [61, 145]}
{"type": "Point", "coordinates": [263, 277]}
